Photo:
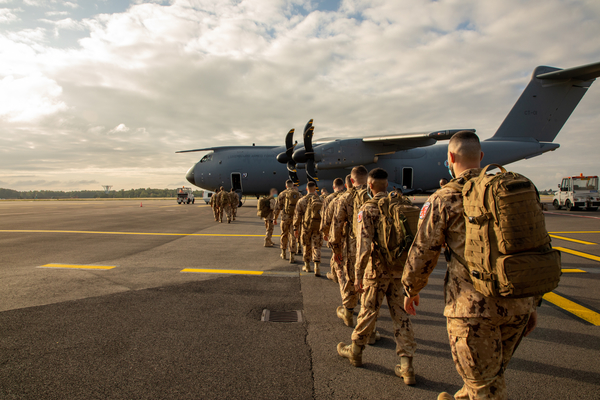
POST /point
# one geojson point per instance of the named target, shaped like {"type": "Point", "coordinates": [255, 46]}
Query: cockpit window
{"type": "Point", "coordinates": [206, 158]}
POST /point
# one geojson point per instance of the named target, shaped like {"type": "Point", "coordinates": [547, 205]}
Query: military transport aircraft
{"type": "Point", "coordinates": [415, 161]}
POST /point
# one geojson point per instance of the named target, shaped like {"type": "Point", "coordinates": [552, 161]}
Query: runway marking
{"type": "Point", "coordinates": [129, 233]}
{"type": "Point", "coordinates": [240, 272]}
{"type": "Point", "coordinates": [573, 271]}
{"type": "Point", "coordinates": [566, 232]}
{"type": "Point", "coordinates": [571, 240]}
{"type": "Point", "coordinates": [95, 267]}
{"type": "Point", "coordinates": [571, 215]}
{"type": "Point", "coordinates": [578, 253]}
{"type": "Point", "coordinates": [574, 308]}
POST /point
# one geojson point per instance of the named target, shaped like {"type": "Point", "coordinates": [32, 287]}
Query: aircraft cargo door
{"type": "Point", "coordinates": [407, 178]}
{"type": "Point", "coordinates": [236, 181]}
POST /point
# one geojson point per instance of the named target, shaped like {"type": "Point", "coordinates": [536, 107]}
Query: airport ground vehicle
{"type": "Point", "coordinates": [575, 192]}
{"type": "Point", "coordinates": [185, 195]}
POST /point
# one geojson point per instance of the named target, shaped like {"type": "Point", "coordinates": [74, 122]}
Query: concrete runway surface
{"type": "Point", "coordinates": [94, 305]}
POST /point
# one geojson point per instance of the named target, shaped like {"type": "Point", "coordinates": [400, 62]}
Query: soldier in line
{"type": "Point", "coordinates": [225, 204]}
{"type": "Point", "coordinates": [269, 218]}
{"type": "Point", "coordinates": [378, 279]}
{"type": "Point", "coordinates": [342, 234]}
{"type": "Point", "coordinates": [324, 194]}
{"type": "Point", "coordinates": [483, 331]}
{"type": "Point", "coordinates": [328, 208]}
{"type": "Point", "coordinates": [310, 236]}
{"type": "Point", "coordinates": [286, 205]}
{"type": "Point", "coordinates": [235, 201]}
{"type": "Point", "coordinates": [214, 205]}
{"type": "Point", "coordinates": [219, 203]}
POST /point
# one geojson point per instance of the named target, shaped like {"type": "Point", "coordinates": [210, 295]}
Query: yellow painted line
{"type": "Point", "coordinates": [574, 308]}
{"type": "Point", "coordinates": [578, 253]}
{"type": "Point", "coordinates": [222, 271]}
{"type": "Point", "coordinates": [573, 271]}
{"type": "Point", "coordinates": [571, 240]}
{"type": "Point", "coordinates": [129, 233]}
{"type": "Point", "coordinates": [565, 232]}
{"type": "Point", "coordinates": [102, 267]}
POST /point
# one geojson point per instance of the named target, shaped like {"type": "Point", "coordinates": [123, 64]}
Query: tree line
{"type": "Point", "coordinates": [90, 194]}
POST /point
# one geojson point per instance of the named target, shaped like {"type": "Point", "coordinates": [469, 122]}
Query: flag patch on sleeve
{"type": "Point", "coordinates": [360, 217]}
{"type": "Point", "coordinates": [424, 210]}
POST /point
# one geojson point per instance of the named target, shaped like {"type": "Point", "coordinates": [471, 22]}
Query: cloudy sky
{"type": "Point", "coordinates": [105, 92]}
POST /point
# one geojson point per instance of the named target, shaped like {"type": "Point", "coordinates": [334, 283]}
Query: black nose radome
{"type": "Point", "coordinates": [190, 175]}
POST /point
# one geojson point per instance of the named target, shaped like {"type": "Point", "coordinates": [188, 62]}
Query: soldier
{"type": "Point", "coordinates": [342, 234]}
{"type": "Point", "coordinates": [219, 203]}
{"type": "Point", "coordinates": [225, 204]}
{"type": "Point", "coordinates": [378, 279]}
{"type": "Point", "coordinates": [483, 331]}
{"type": "Point", "coordinates": [311, 236]}
{"type": "Point", "coordinates": [235, 201]}
{"type": "Point", "coordinates": [443, 182]}
{"type": "Point", "coordinates": [328, 208]}
{"type": "Point", "coordinates": [286, 205]}
{"type": "Point", "coordinates": [214, 205]}
{"type": "Point", "coordinates": [269, 218]}
{"type": "Point", "coordinates": [324, 194]}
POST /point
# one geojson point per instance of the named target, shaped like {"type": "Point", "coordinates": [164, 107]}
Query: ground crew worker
{"type": "Point", "coordinates": [311, 239]}
{"type": "Point", "coordinates": [214, 205]}
{"type": "Point", "coordinates": [288, 240]}
{"type": "Point", "coordinates": [235, 201]}
{"type": "Point", "coordinates": [343, 231]}
{"type": "Point", "coordinates": [378, 279]}
{"type": "Point", "coordinates": [269, 218]}
{"type": "Point", "coordinates": [218, 201]}
{"type": "Point", "coordinates": [483, 331]}
{"type": "Point", "coordinates": [328, 208]}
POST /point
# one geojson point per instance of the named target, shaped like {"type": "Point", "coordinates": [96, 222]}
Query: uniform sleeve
{"type": "Point", "coordinates": [364, 241]}
{"type": "Point", "coordinates": [299, 214]}
{"type": "Point", "coordinates": [338, 220]}
{"type": "Point", "coordinates": [427, 246]}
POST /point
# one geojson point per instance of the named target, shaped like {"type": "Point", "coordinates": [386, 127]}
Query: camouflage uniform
{"type": "Point", "coordinates": [328, 209]}
{"type": "Point", "coordinates": [269, 222]}
{"type": "Point", "coordinates": [311, 241]}
{"type": "Point", "coordinates": [214, 205]}
{"type": "Point", "coordinates": [235, 201]}
{"type": "Point", "coordinates": [287, 235]}
{"type": "Point", "coordinates": [483, 331]}
{"type": "Point", "coordinates": [379, 280]}
{"type": "Point", "coordinates": [219, 206]}
{"type": "Point", "coordinates": [225, 203]}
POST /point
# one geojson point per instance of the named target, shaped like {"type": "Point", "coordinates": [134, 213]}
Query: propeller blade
{"type": "Point", "coordinates": [289, 143]}
{"type": "Point", "coordinates": [311, 172]}
{"type": "Point", "coordinates": [308, 142]}
{"type": "Point", "coordinates": [308, 125]}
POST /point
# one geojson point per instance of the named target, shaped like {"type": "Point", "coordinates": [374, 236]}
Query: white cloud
{"type": "Point", "coordinates": [121, 128]}
{"type": "Point", "coordinates": [7, 16]}
{"type": "Point", "coordinates": [29, 98]}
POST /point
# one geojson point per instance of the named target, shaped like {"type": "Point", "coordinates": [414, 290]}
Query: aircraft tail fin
{"type": "Point", "coordinates": [547, 102]}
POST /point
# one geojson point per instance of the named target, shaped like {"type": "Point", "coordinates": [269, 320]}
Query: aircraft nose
{"type": "Point", "coordinates": [190, 175]}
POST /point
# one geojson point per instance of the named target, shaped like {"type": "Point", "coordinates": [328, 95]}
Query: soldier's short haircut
{"type": "Point", "coordinates": [311, 185]}
{"type": "Point", "coordinates": [221, 188]}
{"type": "Point", "coordinates": [289, 183]}
{"type": "Point", "coordinates": [348, 181]}
{"type": "Point", "coordinates": [378, 174]}
{"type": "Point", "coordinates": [465, 144]}
{"type": "Point", "coordinates": [338, 183]}
{"type": "Point", "coordinates": [359, 171]}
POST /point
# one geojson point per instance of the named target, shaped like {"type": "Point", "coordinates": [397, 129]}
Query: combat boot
{"type": "Point", "coordinates": [346, 315]}
{"type": "Point", "coordinates": [306, 267]}
{"type": "Point", "coordinates": [317, 268]}
{"type": "Point", "coordinates": [445, 396]}
{"type": "Point", "coordinates": [268, 243]}
{"type": "Point", "coordinates": [375, 336]}
{"type": "Point", "coordinates": [352, 352]}
{"type": "Point", "coordinates": [283, 255]}
{"type": "Point", "coordinates": [332, 277]}
{"type": "Point", "coordinates": [292, 258]}
{"type": "Point", "coordinates": [406, 371]}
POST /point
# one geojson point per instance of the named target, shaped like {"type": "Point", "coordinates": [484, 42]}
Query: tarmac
{"type": "Point", "coordinates": [94, 305]}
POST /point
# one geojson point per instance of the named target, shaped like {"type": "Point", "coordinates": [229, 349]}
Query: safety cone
{"type": "Point", "coordinates": [414, 198]}
{"type": "Point", "coordinates": [141, 205]}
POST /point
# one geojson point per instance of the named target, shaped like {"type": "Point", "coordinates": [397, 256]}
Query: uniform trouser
{"type": "Point", "coordinates": [372, 299]}
{"type": "Point", "coordinates": [229, 212]}
{"type": "Point", "coordinates": [311, 246]}
{"type": "Point", "coordinates": [216, 212]}
{"type": "Point", "coordinates": [234, 211]}
{"type": "Point", "coordinates": [346, 275]}
{"type": "Point", "coordinates": [481, 349]}
{"type": "Point", "coordinates": [220, 213]}
{"type": "Point", "coordinates": [288, 240]}
{"type": "Point", "coordinates": [269, 228]}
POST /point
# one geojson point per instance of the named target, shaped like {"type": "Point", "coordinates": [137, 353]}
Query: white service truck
{"type": "Point", "coordinates": [185, 195]}
{"type": "Point", "coordinates": [577, 192]}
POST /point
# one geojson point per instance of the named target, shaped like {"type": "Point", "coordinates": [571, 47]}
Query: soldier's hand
{"type": "Point", "coordinates": [410, 303]}
{"type": "Point", "coordinates": [326, 238]}
{"type": "Point", "coordinates": [337, 257]}
{"type": "Point", "coordinates": [358, 286]}
{"type": "Point", "coordinates": [296, 234]}
{"type": "Point", "coordinates": [531, 324]}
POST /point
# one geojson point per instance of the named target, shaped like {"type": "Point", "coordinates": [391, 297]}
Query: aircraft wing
{"type": "Point", "coordinates": [584, 73]}
{"type": "Point", "coordinates": [416, 139]}
{"type": "Point", "coordinates": [226, 148]}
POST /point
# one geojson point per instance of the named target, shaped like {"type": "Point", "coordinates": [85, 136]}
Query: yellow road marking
{"type": "Point", "coordinates": [573, 271]}
{"type": "Point", "coordinates": [102, 267]}
{"type": "Point", "coordinates": [129, 233]}
{"type": "Point", "coordinates": [576, 232]}
{"type": "Point", "coordinates": [571, 240]}
{"type": "Point", "coordinates": [578, 253]}
{"type": "Point", "coordinates": [222, 271]}
{"type": "Point", "coordinates": [574, 308]}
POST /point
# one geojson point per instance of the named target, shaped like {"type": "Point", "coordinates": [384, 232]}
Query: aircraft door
{"type": "Point", "coordinates": [407, 178]}
{"type": "Point", "coordinates": [236, 181]}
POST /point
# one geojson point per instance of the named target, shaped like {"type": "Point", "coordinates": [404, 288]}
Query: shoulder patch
{"type": "Point", "coordinates": [424, 210]}
{"type": "Point", "coordinates": [360, 217]}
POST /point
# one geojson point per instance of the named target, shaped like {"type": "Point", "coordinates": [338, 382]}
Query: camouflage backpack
{"type": "Point", "coordinates": [312, 215]}
{"type": "Point", "coordinates": [263, 208]}
{"type": "Point", "coordinates": [234, 198]}
{"type": "Point", "coordinates": [291, 199]}
{"type": "Point", "coordinates": [224, 199]}
{"type": "Point", "coordinates": [359, 197]}
{"type": "Point", "coordinates": [396, 227]}
{"type": "Point", "coordinates": [507, 247]}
